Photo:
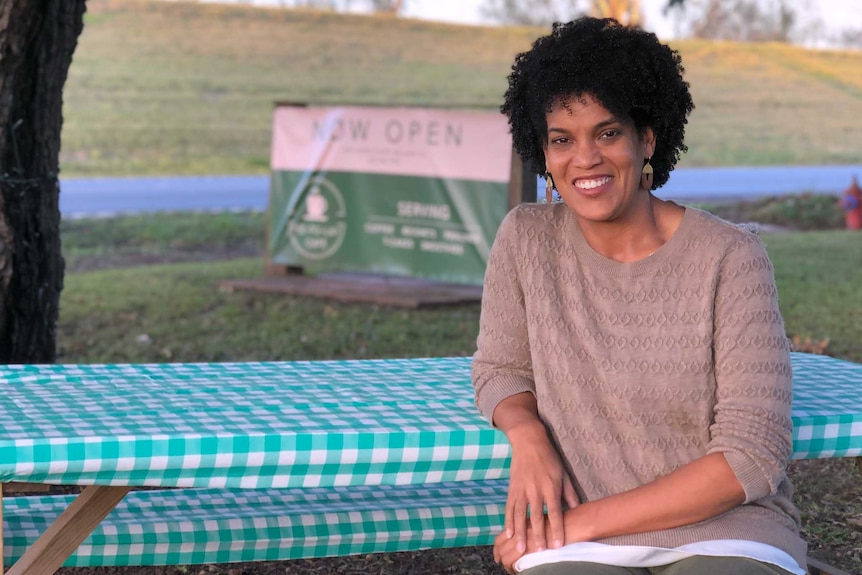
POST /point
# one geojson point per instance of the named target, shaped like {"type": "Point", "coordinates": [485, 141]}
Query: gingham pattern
{"type": "Point", "coordinates": [246, 425]}
{"type": "Point", "coordinates": [193, 526]}
{"type": "Point", "coordinates": [827, 407]}
{"type": "Point", "coordinates": [305, 424]}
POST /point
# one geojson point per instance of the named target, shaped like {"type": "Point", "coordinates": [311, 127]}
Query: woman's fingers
{"type": "Point", "coordinates": [556, 529]}
{"type": "Point", "coordinates": [537, 522]}
{"type": "Point", "coordinates": [538, 485]}
{"type": "Point", "coordinates": [520, 524]}
{"type": "Point", "coordinates": [529, 509]}
{"type": "Point", "coordinates": [516, 518]}
{"type": "Point", "coordinates": [506, 552]}
{"type": "Point", "coordinates": [510, 512]}
{"type": "Point", "coordinates": [570, 496]}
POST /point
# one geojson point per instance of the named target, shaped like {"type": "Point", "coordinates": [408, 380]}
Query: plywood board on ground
{"type": "Point", "coordinates": [355, 287]}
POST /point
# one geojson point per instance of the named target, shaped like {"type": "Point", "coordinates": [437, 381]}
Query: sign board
{"type": "Point", "coordinates": [402, 191]}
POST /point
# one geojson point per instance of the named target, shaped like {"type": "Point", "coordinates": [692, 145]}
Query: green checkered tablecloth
{"type": "Point", "coordinates": [305, 424]}
{"type": "Point", "coordinates": [197, 526]}
{"type": "Point", "coordinates": [827, 407]}
{"type": "Point", "coordinates": [246, 425]}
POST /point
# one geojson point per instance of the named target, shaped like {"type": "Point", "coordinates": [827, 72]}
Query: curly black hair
{"type": "Point", "coordinates": [626, 69]}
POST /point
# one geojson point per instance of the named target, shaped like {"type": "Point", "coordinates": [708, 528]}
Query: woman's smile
{"type": "Point", "coordinates": [592, 186]}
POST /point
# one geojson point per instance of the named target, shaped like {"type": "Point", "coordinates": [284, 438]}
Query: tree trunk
{"type": "Point", "coordinates": [37, 40]}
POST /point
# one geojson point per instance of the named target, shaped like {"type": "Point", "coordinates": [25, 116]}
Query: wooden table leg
{"type": "Point", "coordinates": [70, 529]}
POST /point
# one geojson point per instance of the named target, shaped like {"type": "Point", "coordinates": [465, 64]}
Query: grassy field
{"type": "Point", "coordinates": [180, 308]}
{"type": "Point", "coordinates": [186, 88]}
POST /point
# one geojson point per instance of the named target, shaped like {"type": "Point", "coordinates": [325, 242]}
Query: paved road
{"type": "Point", "coordinates": [110, 196]}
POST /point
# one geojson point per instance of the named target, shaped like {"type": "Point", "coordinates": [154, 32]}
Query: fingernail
{"type": "Point", "coordinates": [509, 533]}
{"type": "Point", "coordinates": [540, 548]}
{"type": "Point", "coordinates": [521, 547]}
{"type": "Point", "coordinates": [557, 543]}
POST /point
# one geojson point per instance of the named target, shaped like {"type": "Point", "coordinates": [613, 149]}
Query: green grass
{"type": "Point", "coordinates": [187, 318]}
{"type": "Point", "coordinates": [186, 88]}
{"type": "Point", "coordinates": [178, 313]}
{"type": "Point", "coordinates": [161, 87]}
{"type": "Point", "coordinates": [761, 104]}
{"type": "Point", "coordinates": [818, 276]}
{"type": "Point", "coordinates": [89, 243]}
{"type": "Point", "coordinates": [181, 309]}
{"type": "Point", "coordinates": [798, 212]}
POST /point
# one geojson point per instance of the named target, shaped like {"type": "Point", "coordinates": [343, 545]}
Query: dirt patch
{"type": "Point", "coordinates": [461, 561]}
{"type": "Point", "coordinates": [85, 263]}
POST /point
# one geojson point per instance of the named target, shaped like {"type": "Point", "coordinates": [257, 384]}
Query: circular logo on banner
{"type": "Point", "coordinates": [320, 224]}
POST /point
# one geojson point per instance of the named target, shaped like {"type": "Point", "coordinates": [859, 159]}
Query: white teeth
{"type": "Point", "coordinates": [590, 184]}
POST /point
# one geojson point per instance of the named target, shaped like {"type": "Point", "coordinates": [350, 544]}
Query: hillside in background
{"type": "Point", "coordinates": [186, 88]}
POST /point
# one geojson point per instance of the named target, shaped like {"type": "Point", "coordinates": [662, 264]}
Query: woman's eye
{"type": "Point", "coordinates": [610, 134]}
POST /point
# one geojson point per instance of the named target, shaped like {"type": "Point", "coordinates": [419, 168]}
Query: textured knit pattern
{"type": "Point", "coordinates": [643, 367]}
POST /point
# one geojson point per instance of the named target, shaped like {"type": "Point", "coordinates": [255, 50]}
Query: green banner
{"type": "Point", "coordinates": [433, 228]}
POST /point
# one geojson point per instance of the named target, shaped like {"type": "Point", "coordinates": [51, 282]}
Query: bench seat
{"type": "Point", "coordinates": [198, 526]}
{"type": "Point", "coordinates": [195, 526]}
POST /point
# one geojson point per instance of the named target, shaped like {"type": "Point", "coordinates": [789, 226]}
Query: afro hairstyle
{"type": "Point", "coordinates": [626, 69]}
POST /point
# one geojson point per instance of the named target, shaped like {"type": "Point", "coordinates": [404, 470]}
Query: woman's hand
{"type": "Point", "coordinates": [539, 484]}
{"type": "Point", "coordinates": [506, 552]}
{"type": "Point", "coordinates": [537, 478]}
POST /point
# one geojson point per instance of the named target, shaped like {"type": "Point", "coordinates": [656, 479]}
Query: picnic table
{"type": "Point", "coordinates": [301, 425]}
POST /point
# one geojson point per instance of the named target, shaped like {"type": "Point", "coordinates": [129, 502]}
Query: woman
{"type": "Point", "coordinates": [631, 349]}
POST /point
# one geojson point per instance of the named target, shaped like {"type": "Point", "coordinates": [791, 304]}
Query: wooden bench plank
{"type": "Point", "coordinates": [17, 487]}
{"type": "Point", "coordinates": [816, 567]}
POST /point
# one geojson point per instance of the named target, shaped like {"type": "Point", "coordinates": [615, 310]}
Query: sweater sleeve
{"type": "Point", "coordinates": [501, 365]}
{"type": "Point", "coordinates": [752, 424]}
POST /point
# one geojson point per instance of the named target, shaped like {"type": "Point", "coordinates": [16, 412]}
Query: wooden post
{"type": "Point", "coordinates": [273, 269]}
{"type": "Point", "coordinates": [522, 182]}
{"type": "Point", "coordinates": [816, 567]}
{"type": "Point", "coordinates": [70, 529]}
{"type": "Point", "coordinates": [516, 180]}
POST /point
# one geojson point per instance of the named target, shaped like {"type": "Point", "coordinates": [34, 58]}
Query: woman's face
{"type": "Point", "coordinates": [596, 160]}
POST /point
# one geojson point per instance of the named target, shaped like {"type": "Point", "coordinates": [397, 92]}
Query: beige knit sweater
{"type": "Point", "coordinates": [640, 368]}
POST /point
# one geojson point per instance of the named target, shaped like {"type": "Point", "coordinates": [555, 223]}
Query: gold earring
{"type": "Point", "coordinates": [646, 175]}
{"type": "Point", "coordinates": [549, 187]}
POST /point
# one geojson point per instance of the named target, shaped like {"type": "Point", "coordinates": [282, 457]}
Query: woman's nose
{"type": "Point", "coordinates": [586, 155]}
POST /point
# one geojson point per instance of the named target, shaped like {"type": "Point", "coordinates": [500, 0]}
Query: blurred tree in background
{"type": "Point", "coordinates": [625, 11]}
{"type": "Point", "coordinates": [543, 13]}
{"type": "Point", "coordinates": [390, 6]}
{"type": "Point", "coordinates": [736, 20]}
{"type": "Point", "coordinates": [747, 20]}
{"type": "Point", "coordinates": [539, 13]}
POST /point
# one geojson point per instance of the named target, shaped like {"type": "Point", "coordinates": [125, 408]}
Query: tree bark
{"type": "Point", "coordinates": [37, 40]}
